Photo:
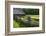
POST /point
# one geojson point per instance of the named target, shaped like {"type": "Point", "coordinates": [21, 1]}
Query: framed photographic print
{"type": "Point", "coordinates": [24, 18]}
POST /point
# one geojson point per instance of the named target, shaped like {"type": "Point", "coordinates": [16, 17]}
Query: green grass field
{"type": "Point", "coordinates": [33, 21]}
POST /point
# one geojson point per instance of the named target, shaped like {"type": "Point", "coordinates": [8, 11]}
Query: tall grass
{"type": "Point", "coordinates": [34, 22]}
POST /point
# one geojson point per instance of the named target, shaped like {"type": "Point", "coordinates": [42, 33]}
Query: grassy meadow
{"type": "Point", "coordinates": [23, 22]}
{"type": "Point", "coordinates": [25, 17]}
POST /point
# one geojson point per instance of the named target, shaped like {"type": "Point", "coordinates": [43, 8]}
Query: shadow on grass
{"type": "Point", "coordinates": [32, 23]}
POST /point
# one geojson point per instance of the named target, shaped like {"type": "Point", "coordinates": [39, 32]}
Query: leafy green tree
{"type": "Point", "coordinates": [31, 11]}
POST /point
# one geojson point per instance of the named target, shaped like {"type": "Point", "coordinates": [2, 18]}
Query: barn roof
{"type": "Point", "coordinates": [18, 11]}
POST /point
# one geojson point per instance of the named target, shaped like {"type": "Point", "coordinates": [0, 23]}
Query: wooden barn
{"type": "Point", "coordinates": [18, 12]}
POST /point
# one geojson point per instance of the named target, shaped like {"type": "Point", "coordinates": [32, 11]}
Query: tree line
{"type": "Point", "coordinates": [31, 11]}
